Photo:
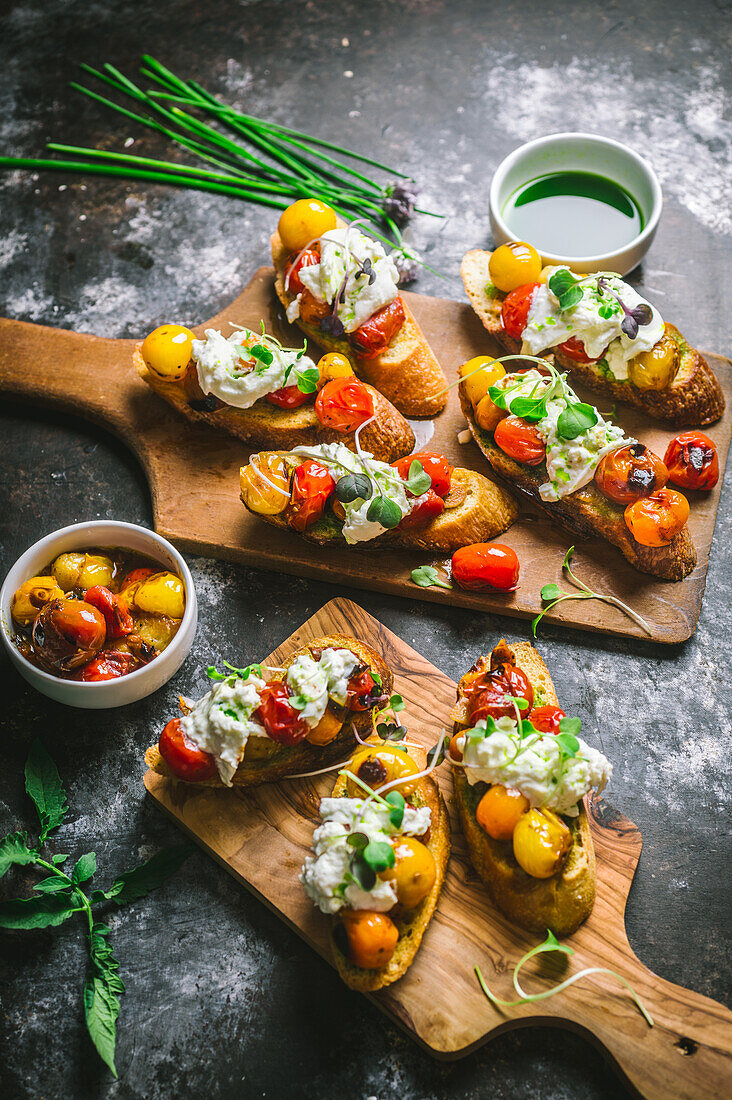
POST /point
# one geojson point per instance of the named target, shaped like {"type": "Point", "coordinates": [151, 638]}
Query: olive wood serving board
{"type": "Point", "coordinates": [193, 473]}
{"type": "Point", "coordinates": [261, 837]}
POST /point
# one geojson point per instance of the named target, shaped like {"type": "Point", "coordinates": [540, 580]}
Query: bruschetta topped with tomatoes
{"type": "Point", "coordinates": [342, 289]}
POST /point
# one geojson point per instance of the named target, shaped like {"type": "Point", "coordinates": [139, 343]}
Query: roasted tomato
{"type": "Point", "coordinates": [692, 461]}
{"type": "Point", "coordinates": [369, 938]}
{"type": "Point", "coordinates": [363, 692]}
{"type": "Point", "coordinates": [374, 336]}
{"type": "Point", "coordinates": [113, 607]}
{"type": "Point", "coordinates": [519, 440]}
{"type": "Point", "coordinates": [292, 272]}
{"type": "Point", "coordinates": [629, 473]}
{"type": "Point", "coordinates": [436, 465]}
{"type": "Point", "coordinates": [278, 716]}
{"type": "Point", "coordinates": [184, 759]}
{"type": "Point", "coordinates": [312, 484]}
{"type": "Point", "coordinates": [288, 397]}
{"type": "Point", "coordinates": [68, 634]}
{"type": "Point", "coordinates": [547, 718]}
{"type": "Point", "coordinates": [486, 565]}
{"type": "Point", "coordinates": [487, 694]}
{"type": "Point", "coordinates": [657, 519]}
{"type": "Point", "coordinates": [575, 349]}
{"type": "Point", "coordinates": [136, 576]}
{"type": "Point", "coordinates": [515, 309]}
{"type": "Point", "coordinates": [344, 404]}
{"type": "Point", "coordinates": [311, 309]}
{"type": "Point", "coordinates": [108, 666]}
{"type": "Point", "coordinates": [426, 509]}
{"type": "Point", "coordinates": [499, 810]}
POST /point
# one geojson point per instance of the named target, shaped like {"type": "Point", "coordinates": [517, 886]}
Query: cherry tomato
{"type": "Point", "coordinates": [184, 759]}
{"type": "Point", "coordinates": [278, 716]}
{"type": "Point", "coordinates": [519, 440]}
{"type": "Point", "coordinates": [488, 692]}
{"type": "Point", "coordinates": [67, 634]}
{"type": "Point", "coordinates": [657, 519]}
{"type": "Point", "coordinates": [423, 512]}
{"type": "Point", "coordinates": [454, 750]}
{"type": "Point", "coordinates": [288, 397]}
{"type": "Point", "coordinates": [486, 565]}
{"type": "Point", "coordinates": [344, 404]}
{"type": "Point", "coordinates": [374, 336]}
{"type": "Point", "coordinates": [499, 810]}
{"type": "Point", "coordinates": [292, 271]}
{"type": "Point", "coordinates": [312, 309]}
{"type": "Point", "coordinates": [515, 309]}
{"type": "Point", "coordinates": [113, 607]}
{"type": "Point", "coordinates": [363, 692]}
{"type": "Point", "coordinates": [575, 349]}
{"type": "Point", "coordinates": [137, 575]}
{"type": "Point", "coordinates": [692, 461]}
{"type": "Point", "coordinates": [513, 265]}
{"type": "Point", "coordinates": [303, 221]}
{"type": "Point", "coordinates": [312, 484]}
{"type": "Point", "coordinates": [436, 465]}
{"type": "Point", "coordinates": [107, 666]}
{"type": "Point", "coordinates": [629, 473]}
{"type": "Point", "coordinates": [547, 718]}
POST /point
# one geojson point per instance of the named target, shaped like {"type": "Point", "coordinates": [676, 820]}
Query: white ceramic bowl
{"type": "Point", "coordinates": [124, 689]}
{"type": "Point", "coordinates": [581, 153]}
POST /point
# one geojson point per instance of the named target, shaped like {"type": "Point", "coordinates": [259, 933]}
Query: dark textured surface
{"type": "Point", "coordinates": [222, 1000]}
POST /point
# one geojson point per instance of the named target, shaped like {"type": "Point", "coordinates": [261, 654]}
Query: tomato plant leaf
{"type": "Point", "coordinates": [85, 867]}
{"type": "Point", "coordinates": [44, 786]}
{"type": "Point", "coordinates": [44, 911]}
{"type": "Point", "coordinates": [14, 850]}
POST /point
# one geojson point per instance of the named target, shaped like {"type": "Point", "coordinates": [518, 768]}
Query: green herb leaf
{"type": "Point", "coordinates": [498, 396]}
{"type": "Point", "coordinates": [575, 420]}
{"type": "Point", "coordinates": [45, 911]}
{"type": "Point", "coordinates": [230, 713]}
{"type": "Point", "coordinates": [566, 288]}
{"type": "Point", "coordinates": [138, 882]}
{"type": "Point", "coordinates": [379, 855]}
{"type": "Point", "coordinates": [418, 480]}
{"type": "Point", "coordinates": [551, 592]}
{"type": "Point", "coordinates": [396, 703]}
{"type": "Point", "coordinates": [43, 784]}
{"type": "Point", "coordinates": [357, 841]}
{"type": "Point", "coordinates": [568, 743]}
{"type": "Point", "coordinates": [307, 380]}
{"type": "Point", "coordinates": [531, 409]}
{"type": "Point", "coordinates": [376, 678]}
{"type": "Point", "coordinates": [391, 731]}
{"type": "Point", "coordinates": [54, 884]}
{"type": "Point", "coordinates": [568, 558]}
{"type": "Point", "coordinates": [426, 576]}
{"type": "Point", "coordinates": [363, 874]}
{"type": "Point", "coordinates": [263, 354]}
{"type": "Point", "coordinates": [14, 850]}
{"type": "Point", "coordinates": [352, 487]}
{"type": "Point", "coordinates": [101, 996]}
{"type": "Point", "coordinates": [396, 816]}
{"type": "Point", "coordinates": [384, 511]}
{"type": "Point", "coordinates": [85, 867]}
{"type": "Point", "coordinates": [59, 858]}
{"type": "Point", "coordinates": [571, 726]}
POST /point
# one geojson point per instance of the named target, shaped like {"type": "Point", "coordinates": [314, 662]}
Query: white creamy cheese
{"type": "Point", "coordinates": [342, 254]}
{"type": "Point", "coordinates": [227, 370]}
{"type": "Point", "coordinates": [314, 681]}
{"type": "Point", "coordinates": [595, 320]}
{"type": "Point", "coordinates": [535, 766]}
{"type": "Point", "coordinates": [220, 723]}
{"type": "Point", "coordinates": [325, 875]}
{"type": "Point", "coordinates": [339, 665]}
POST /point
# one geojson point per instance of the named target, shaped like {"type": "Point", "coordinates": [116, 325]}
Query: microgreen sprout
{"type": "Point", "coordinates": [552, 595]}
{"type": "Point", "coordinates": [427, 576]}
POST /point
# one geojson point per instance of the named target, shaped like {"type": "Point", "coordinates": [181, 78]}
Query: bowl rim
{"type": "Point", "coordinates": [575, 135]}
{"type": "Point", "coordinates": [82, 527]}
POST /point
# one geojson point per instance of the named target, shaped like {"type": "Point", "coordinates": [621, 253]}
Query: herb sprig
{"type": "Point", "coordinates": [552, 594]}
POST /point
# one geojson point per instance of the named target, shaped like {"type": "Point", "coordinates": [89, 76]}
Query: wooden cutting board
{"type": "Point", "coordinates": [194, 473]}
{"type": "Point", "coordinates": [263, 836]}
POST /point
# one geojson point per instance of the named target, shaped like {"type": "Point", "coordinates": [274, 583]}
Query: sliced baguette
{"type": "Point", "coordinates": [407, 373]}
{"type": "Point", "coordinates": [693, 398]}
{"type": "Point", "coordinates": [412, 924]}
{"type": "Point", "coordinates": [266, 761]}
{"type": "Point", "coordinates": [476, 510]}
{"type": "Point", "coordinates": [389, 437]}
{"type": "Point", "coordinates": [561, 902]}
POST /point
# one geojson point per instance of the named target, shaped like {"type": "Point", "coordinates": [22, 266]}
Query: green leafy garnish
{"type": "Point", "coordinates": [568, 744]}
{"type": "Point", "coordinates": [552, 594]}
{"type": "Point", "coordinates": [385, 511]}
{"type": "Point", "coordinates": [233, 673]}
{"type": "Point", "coordinates": [575, 420]}
{"type": "Point", "coordinates": [262, 353]}
{"type": "Point", "coordinates": [567, 289]}
{"type": "Point", "coordinates": [426, 576]}
{"type": "Point", "coordinates": [396, 816]}
{"type": "Point", "coordinates": [396, 703]}
{"type": "Point", "coordinates": [307, 380]}
{"type": "Point", "coordinates": [352, 487]}
{"type": "Point", "coordinates": [418, 480]}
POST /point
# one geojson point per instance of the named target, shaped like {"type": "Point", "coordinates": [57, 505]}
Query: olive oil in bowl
{"type": "Point", "coordinates": [574, 214]}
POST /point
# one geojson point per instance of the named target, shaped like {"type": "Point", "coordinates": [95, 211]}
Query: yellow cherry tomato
{"type": "Point", "coordinates": [96, 569]}
{"type": "Point", "coordinates": [333, 365]}
{"type": "Point", "coordinates": [167, 351]}
{"type": "Point", "coordinates": [157, 630]}
{"type": "Point", "coordinates": [31, 596]}
{"type": "Point", "coordinates": [162, 594]}
{"type": "Point", "coordinates": [514, 264]}
{"type": "Point", "coordinates": [302, 222]}
{"type": "Point", "coordinates": [655, 369]}
{"type": "Point", "coordinates": [541, 842]}
{"type": "Point", "coordinates": [499, 810]}
{"type": "Point", "coordinates": [480, 374]}
{"type": "Point", "coordinates": [377, 766]}
{"type": "Point", "coordinates": [547, 272]}
{"type": "Point", "coordinates": [414, 871]}
{"type": "Point", "coordinates": [326, 730]}
{"type": "Point", "coordinates": [265, 484]}
{"type": "Point", "coordinates": [487, 414]}
{"type": "Point", "coordinates": [371, 937]}
{"type": "Point", "coordinates": [66, 570]}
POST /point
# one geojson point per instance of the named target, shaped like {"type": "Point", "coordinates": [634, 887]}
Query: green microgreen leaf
{"type": "Point", "coordinates": [379, 855]}
{"type": "Point", "coordinates": [570, 726]}
{"type": "Point", "coordinates": [426, 576]}
{"type": "Point", "coordinates": [566, 287]}
{"type": "Point", "coordinates": [352, 487]}
{"type": "Point", "coordinates": [263, 354]}
{"type": "Point", "coordinates": [396, 703]}
{"type": "Point", "coordinates": [551, 592]}
{"type": "Point", "coordinates": [384, 511]}
{"type": "Point", "coordinates": [357, 841]}
{"type": "Point", "coordinates": [418, 480]}
{"type": "Point", "coordinates": [567, 743]}
{"type": "Point", "coordinates": [307, 380]}
{"type": "Point", "coordinates": [43, 785]}
{"type": "Point", "coordinates": [14, 851]}
{"type": "Point", "coordinates": [576, 419]}
{"type": "Point", "coordinates": [396, 816]}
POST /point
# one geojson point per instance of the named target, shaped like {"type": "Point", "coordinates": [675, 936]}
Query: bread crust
{"type": "Point", "coordinates": [694, 397]}
{"type": "Point", "coordinates": [561, 902]}
{"type": "Point", "coordinates": [274, 761]}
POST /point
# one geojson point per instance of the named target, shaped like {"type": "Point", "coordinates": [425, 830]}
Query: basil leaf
{"type": "Point", "coordinates": [396, 816]}
{"type": "Point", "coordinates": [14, 851]}
{"type": "Point", "coordinates": [551, 592]}
{"type": "Point", "coordinates": [45, 911]}
{"type": "Point", "coordinates": [575, 420]}
{"type": "Point", "coordinates": [384, 511]}
{"type": "Point", "coordinates": [426, 575]}
{"type": "Point", "coordinates": [567, 743]}
{"type": "Point", "coordinates": [43, 784]}
{"type": "Point", "coordinates": [379, 855]}
{"type": "Point", "coordinates": [353, 487]}
{"type": "Point", "coordinates": [307, 380]}
{"type": "Point", "coordinates": [570, 726]}
{"type": "Point", "coordinates": [85, 867]}
{"type": "Point", "coordinates": [138, 882]}
{"type": "Point", "coordinates": [418, 480]}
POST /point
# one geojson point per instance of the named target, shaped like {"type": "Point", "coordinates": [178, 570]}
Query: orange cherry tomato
{"type": "Point", "coordinates": [692, 461]}
{"type": "Point", "coordinates": [292, 271]}
{"type": "Point", "coordinates": [370, 937]}
{"type": "Point", "coordinates": [67, 634]}
{"type": "Point", "coordinates": [374, 336]}
{"type": "Point", "coordinates": [486, 693]}
{"type": "Point", "coordinates": [107, 666]}
{"type": "Point", "coordinates": [454, 751]}
{"type": "Point", "coordinates": [363, 692]}
{"type": "Point", "coordinates": [515, 309]}
{"type": "Point", "coordinates": [344, 404]}
{"type": "Point", "coordinates": [486, 565]}
{"type": "Point", "coordinates": [575, 349]}
{"type": "Point", "coordinates": [657, 519]}
{"type": "Point", "coordinates": [289, 397]}
{"type": "Point", "coordinates": [137, 575]}
{"type": "Point", "coordinates": [629, 473]}
{"type": "Point", "coordinates": [184, 759]}
{"type": "Point", "coordinates": [312, 485]}
{"type": "Point", "coordinates": [519, 440]}
{"type": "Point", "coordinates": [547, 719]}
{"type": "Point", "coordinates": [499, 809]}
{"type": "Point", "coordinates": [311, 309]}
{"type": "Point", "coordinates": [423, 512]}
{"type": "Point", "coordinates": [113, 607]}
{"type": "Point", "coordinates": [436, 465]}
{"type": "Point", "coordinates": [278, 716]}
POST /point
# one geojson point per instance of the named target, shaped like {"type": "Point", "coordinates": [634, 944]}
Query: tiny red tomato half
{"type": "Point", "coordinates": [292, 271]}
{"type": "Point", "coordinates": [547, 719]}
{"type": "Point", "coordinates": [486, 565]}
{"type": "Point", "coordinates": [426, 508]}
{"type": "Point", "coordinates": [288, 397]}
{"type": "Point", "coordinates": [344, 404]}
{"type": "Point", "coordinates": [692, 461]}
{"type": "Point", "coordinates": [488, 694]}
{"type": "Point", "coordinates": [312, 485]}
{"type": "Point", "coordinates": [433, 464]}
{"type": "Point", "coordinates": [278, 716]}
{"type": "Point", "coordinates": [374, 336]}
{"type": "Point", "coordinates": [519, 440]}
{"type": "Point", "coordinates": [108, 665]}
{"type": "Point", "coordinates": [515, 309]}
{"type": "Point", "coordinates": [363, 691]}
{"type": "Point", "coordinates": [574, 349]}
{"type": "Point", "coordinates": [184, 759]}
{"type": "Point", "coordinates": [113, 607]}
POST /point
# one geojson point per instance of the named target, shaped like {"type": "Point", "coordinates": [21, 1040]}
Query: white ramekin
{"type": "Point", "coordinates": [581, 153]}
{"type": "Point", "coordinates": [124, 689]}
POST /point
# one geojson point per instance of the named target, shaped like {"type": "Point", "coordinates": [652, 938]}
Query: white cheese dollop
{"type": "Point", "coordinates": [314, 681]}
{"type": "Point", "coordinates": [227, 370]}
{"type": "Point", "coordinates": [220, 723]}
{"type": "Point", "coordinates": [342, 253]}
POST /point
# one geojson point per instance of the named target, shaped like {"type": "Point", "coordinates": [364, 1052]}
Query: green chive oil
{"type": "Point", "coordinates": [574, 214]}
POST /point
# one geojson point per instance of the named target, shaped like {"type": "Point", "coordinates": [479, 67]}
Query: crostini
{"type": "Point", "coordinates": [379, 862]}
{"type": "Point", "coordinates": [259, 724]}
{"type": "Point", "coordinates": [521, 773]}
{"type": "Point", "coordinates": [264, 394]}
{"type": "Point", "coordinates": [576, 465]}
{"type": "Point", "coordinates": [329, 494]}
{"type": "Point", "coordinates": [598, 326]}
{"type": "Point", "coordinates": [341, 288]}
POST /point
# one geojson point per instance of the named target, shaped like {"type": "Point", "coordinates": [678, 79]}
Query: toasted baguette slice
{"type": "Point", "coordinates": [561, 902]}
{"type": "Point", "coordinates": [266, 761]}
{"type": "Point", "coordinates": [476, 510]}
{"type": "Point", "coordinates": [693, 398]}
{"type": "Point", "coordinates": [412, 924]}
{"type": "Point", "coordinates": [407, 373]}
{"type": "Point", "coordinates": [389, 437]}
{"type": "Point", "coordinates": [587, 512]}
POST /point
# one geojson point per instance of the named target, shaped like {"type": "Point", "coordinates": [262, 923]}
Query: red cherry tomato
{"type": "Point", "coordinates": [487, 695]}
{"type": "Point", "coordinates": [288, 397]}
{"type": "Point", "coordinates": [107, 666]}
{"type": "Point", "coordinates": [425, 510]}
{"type": "Point", "coordinates": [547, 719]}
{"type": "Point", "coordinates": [278, 716]}
{"type": "Point", "coordinates": [629, 473]}
{"type": "Point", "coordinates": [292, 271]}
{"type": "Point", "coordinates": [436, 465]}
{"type": "Point", "coordinates": [137, 575]}
{"type": "Point", "coordinates": [312, 485]}
{"type": "Point", "coordinates": [67, 634]}
{"type": "Point", "coordinates": [515, 309]}
{"type": "Point", "coordinates": [486, 565]}
{"type": "Point", "coordinates": [113, 607]}
{"type": "Point", "coordinates": [692, 461]}
{"type": "Point", "coordinates": [519, 440]}
{"type": "Point", "coordinates": [374, 336]}
{"type": "Point", "coordinates": [656, 520]}
{"type": "Point", "coordinates": [184, 759]}
{"type": "Point", "coordinates": [344, 404]}
{"type": "Point", "coordinates": [575, 349]}
{"type": "Point", "coordinates": [363, 692]}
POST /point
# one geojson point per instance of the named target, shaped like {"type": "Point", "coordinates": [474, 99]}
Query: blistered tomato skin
{"type": "Point", "coordinates": [374, 336]}
{"type": "Point", "coordinates": [293, 281]}
{"type": "Point", "coordinates": [303, 222]}
{"type": "Point", "coordinates": [344, 404]}
{"type": "Point", "coordinates": [486, 565]}
{"type": "Point", "coordinates": [486, 696]}
{"type": "Point", "coordinates": [265, 484]}
{"type": "Point", "coordinates": [67, 634]}
{"type": "Point", "coordinates": [629, 473]}
{"type": "Point", "coordinates": [433, 464]}
{"type": "Point", "coordinates": [114, 608]}
{"type": "Point", "coordinates": [288, 397]}
{"type": "Point", "coordinates": [109, 665]}
{"type": "Point", "coordinates": [162, 594]}
{"type": "Point", "coordinates": [370, 937]}
{"type": "Point", "coordinates": [333, 365]}
{"type": "Point", "coordinates": [515, 309]}
{"type": "Point", "coordinates": [692, 461]}
{"type": "Point", "coordinates": [312, 485]}
{"type": "Point", "coordinates": [575, 349]}
{"type": "Point", "coordinates": [519, 440]}
{"type": "Point", "coordinates": [514, 264]}
{"type": "Point", "coordinates": [656, 520]}
{"type": "Point", "coordinates": [182, 757]}
{"type": "Point", "coordinates": [363, 692]}
{"type": "Point", "coordinates": [424, 511]}
{"type": "Point", "coordinates": [547, 719]}
{"type": "Point", "coordinates": [499, 810]}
